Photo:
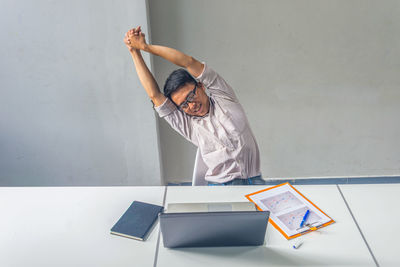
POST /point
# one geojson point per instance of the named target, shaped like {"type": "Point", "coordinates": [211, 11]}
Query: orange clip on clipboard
{"type": "Point", "coordinates": [304, 199]}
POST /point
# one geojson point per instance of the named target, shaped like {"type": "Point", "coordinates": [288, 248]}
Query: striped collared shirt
{"type": "Point", "coordinates": [226, 142]}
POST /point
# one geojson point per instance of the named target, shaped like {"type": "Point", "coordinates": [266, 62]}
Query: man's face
{"type": "Point", "coordinates": [192, 99]}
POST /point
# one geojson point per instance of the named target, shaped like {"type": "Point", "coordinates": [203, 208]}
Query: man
{"type": "Point", "coordinates": [215, 123]}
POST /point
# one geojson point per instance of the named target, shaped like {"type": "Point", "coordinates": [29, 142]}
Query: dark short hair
{"type": "Point", "coordinates": [176, 80]}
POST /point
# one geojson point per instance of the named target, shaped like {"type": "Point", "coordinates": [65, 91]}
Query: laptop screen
{"type": "Point", "coordinates": [213, 229]}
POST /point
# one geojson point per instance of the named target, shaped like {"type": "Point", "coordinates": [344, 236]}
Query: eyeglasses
{"type": "Point", "coordinates": [190, 97]}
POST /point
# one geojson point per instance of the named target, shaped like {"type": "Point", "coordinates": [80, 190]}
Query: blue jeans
{"type": "Point", "coordinates": [256, 180]}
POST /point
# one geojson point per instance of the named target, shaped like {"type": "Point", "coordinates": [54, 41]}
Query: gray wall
{"type": "Point", "coordinates": [319, 80]}
{"type": "Point", "coordinates": [72, 110]}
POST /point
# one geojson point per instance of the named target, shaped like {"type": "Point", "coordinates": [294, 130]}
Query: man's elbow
{"type": "Point", "coordinates": [191, 62]}
{"type": "Point", "coordinates": [155, 95]}
{"type": "Point", "coordinates": [157, 98]}
{"type": "Point", "coordinates": [195, 67]}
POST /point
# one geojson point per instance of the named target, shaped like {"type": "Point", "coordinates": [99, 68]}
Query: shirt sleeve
{"type": "Point", "coordinates": [215, 84]}
{"type": "Point", "coordinates": [178, 120]}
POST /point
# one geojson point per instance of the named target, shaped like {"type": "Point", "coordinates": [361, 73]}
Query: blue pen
{"type": "Point", "coordinates": [304, 218]}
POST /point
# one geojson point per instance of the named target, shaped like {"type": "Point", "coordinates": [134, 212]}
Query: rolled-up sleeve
{"type": "Point", "coordinates": [208, 76]}
{"type": "Point", "coordinates": [178, 120]}
{"type": "Point", "coordinates": [165, 108]}
{"type": "Point", "coordinates": [215, 84]}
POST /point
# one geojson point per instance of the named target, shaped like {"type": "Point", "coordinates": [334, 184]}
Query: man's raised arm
{"type": "Point", "coordinates": [192, 65]}
{"type": "Point", "coordinates": [145, 76]}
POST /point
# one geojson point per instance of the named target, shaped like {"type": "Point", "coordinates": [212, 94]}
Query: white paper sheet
{"type": "Point", "coordinates": [288, 208]}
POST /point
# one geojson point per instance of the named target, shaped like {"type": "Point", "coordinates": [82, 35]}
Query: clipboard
{"type": "Point", "coordinates": [287, 208]}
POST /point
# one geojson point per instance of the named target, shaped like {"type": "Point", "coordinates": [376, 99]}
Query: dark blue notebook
{"type": "Point", "coordinates": [137, 220]}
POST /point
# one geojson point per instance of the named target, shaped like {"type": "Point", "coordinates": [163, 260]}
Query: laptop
{"type": "Point", "coordinates": [213, 228]}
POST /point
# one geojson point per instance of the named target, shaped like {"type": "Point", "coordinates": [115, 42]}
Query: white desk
{"type": "Point", "coordinates": [70, 226]}
{"type": "Point", "coordinates": [338, 244]}
{"type": "Point", "coordinates": [375, 208]}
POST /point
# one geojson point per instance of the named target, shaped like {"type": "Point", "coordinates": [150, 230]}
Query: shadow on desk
{"type": "Point", "coordinates": [257, 255]}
